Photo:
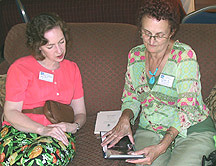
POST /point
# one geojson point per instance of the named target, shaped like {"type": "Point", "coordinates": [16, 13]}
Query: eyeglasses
{"type": "Point", "coordinates": [158, 37]}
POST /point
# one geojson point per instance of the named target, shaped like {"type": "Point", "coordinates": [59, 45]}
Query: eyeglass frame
{"type": "Point", "coordinates": [156, 37]}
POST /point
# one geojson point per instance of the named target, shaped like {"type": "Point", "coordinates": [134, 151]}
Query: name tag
{"type": "Point", "coordinates": [46, 76]}
{"type": "Point", "coordinates": [165, 80]}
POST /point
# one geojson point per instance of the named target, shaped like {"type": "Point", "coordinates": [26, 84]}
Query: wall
{"type": "Point", "coordinates": [203, 3]}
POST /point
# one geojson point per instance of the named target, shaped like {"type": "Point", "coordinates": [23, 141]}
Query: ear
{"type": "Point", "coordinates": [172, 32]}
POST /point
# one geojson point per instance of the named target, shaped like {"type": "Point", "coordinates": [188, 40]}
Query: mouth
{"type": "Point", "coordinates": [60, 56]}
{"type": "Point", "coordinates": [152, 45]}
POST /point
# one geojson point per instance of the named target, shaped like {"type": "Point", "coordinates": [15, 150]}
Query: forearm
{"type": "Point", "coordinates": [22, 122]}
{"type": "Point", "coordinates": [80, 119]}
{"type": "Point", "coordinates": [168, 138]}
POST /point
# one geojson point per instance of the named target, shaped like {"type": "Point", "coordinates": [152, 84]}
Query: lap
{"type": "Point", "coordinates": [21, 148]}
{"type": "Point", "coordinates": [144, 138]}
{"type": "Point", "coordinates": [187, 151]}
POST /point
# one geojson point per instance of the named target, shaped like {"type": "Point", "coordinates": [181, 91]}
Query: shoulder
{"type": "Point", "coordinates": [24, 63]}
{"type": "Point", "coordinates": [69, 65]}
{"type": "Point", "coordinates": [25, 60]}
{"type": "Point", "coordinates": [182, 51]}
{"type": "Point", "coordinates": [137, 54]}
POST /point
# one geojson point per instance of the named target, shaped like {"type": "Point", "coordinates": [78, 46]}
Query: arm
{"type": "Point", "coordinates": [168, 138]}
{"type": "Point", "coordinates": [79, 111]}
{"type": "Point", "coordinates": [191, 108]}
{"type": "Point", "coordinates": [13, 114]}
{"type": "Point", "coordinates": [154, 151]}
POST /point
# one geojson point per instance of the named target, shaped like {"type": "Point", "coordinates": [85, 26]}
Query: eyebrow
{"type": "Point", "coordinates": [50, 44]}
{"type": "Point", "coordinates": [151, 32]}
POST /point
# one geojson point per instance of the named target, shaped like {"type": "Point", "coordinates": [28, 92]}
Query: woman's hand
{"type": "Point", "coordinates": [151, 153]}
{"type": "Point", "coordinates": [66, 127]}
{"type": "Point", "coordinates": [122, 129]}
{"type": "Point", "coordinates": [55, 132]}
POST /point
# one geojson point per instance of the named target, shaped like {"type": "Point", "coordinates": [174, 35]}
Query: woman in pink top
{"type": "Point", "coordinates": [31, 139]}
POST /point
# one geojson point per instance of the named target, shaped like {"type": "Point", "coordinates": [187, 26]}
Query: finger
{"type": "Point", "coordinates": [140, 161]}
{"type": "Point", "coordinates": [52, 125]}
{"type": "Point", "coordinates": [59, 134]}
{"type": "Point", "coordinates": [63, 139]}
{"type": "Point", "coordinates": [107, 133]}
{"type": "Point", "coordinates": [138, 152]}
{"type": "Point", "coordinates": [115, 141]}
{"type": "Point", "coordinates": [131, 139]}
{"type": "Point", "coordinates": [107, 140]}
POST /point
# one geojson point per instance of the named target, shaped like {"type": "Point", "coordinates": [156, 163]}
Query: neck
{"type": "Point", "coordinates": [155, 60]}
{"type": "Point", "coordinates": [49, 65]}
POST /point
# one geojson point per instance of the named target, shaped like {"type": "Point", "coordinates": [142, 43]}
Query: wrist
{"type": "Point", "coordinates": [78, 126]}
{"type": "Point", "coordinates": [162, 147]}
{"type": "Point", "coordinates": [127, 115]}
{"type": "Point", "coordinates": [40, 130]}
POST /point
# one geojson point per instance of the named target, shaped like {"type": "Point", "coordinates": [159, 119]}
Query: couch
{"type": "Point", "coordinates": [100, 50]}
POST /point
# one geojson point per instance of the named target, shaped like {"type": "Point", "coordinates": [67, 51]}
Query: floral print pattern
{"type": "Point", "coordinates": [19, 148]}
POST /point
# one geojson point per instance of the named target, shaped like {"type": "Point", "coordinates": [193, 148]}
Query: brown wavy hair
{"type": "Point", "coordinates": [161, 10]}
{"type": "Point", "coordinates": [38, 26]}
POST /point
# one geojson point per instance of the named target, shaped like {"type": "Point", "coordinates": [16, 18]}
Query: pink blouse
{"type": "Point", "coordinates": [33, 84]}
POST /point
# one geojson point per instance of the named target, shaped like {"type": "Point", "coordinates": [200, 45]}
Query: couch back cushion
{"type": "Point", "coordinates": [99, 49]}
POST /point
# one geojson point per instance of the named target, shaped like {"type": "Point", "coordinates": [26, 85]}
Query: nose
{"type": "Point", "coordinates": [59, 49]}
{"type": "Point", "coordinates": [152, 39]}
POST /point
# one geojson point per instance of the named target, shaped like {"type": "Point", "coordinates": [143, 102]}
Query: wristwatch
{"type": "Point", "coordinates": [78, 126]}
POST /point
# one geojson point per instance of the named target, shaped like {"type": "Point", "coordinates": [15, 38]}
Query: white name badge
{"type": "Point", "coordinates": [46, 76]}
{"type": "Point", "coordinates": [165, 80]}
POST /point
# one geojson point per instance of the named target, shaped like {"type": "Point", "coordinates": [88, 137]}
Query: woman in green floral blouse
{"type": "Point", "coordinates": [163, 79]}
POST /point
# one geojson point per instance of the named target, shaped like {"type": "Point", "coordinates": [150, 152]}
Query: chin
{"type": "Point", "coordinates": [152, 49]}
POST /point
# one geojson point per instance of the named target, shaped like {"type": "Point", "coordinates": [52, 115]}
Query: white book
{"type": "Point", "coordinates": [106, 120]}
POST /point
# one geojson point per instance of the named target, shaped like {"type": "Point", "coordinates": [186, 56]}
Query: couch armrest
{"type": "Point", "coordinates": [4, 67]}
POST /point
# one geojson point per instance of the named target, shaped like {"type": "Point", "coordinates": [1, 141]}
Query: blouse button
{"type": "Point", "coordinates": [57, 94]}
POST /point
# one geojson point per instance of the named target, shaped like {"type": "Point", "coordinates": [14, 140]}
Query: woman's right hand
{"type": "Point", "coordinates": [122, 129]}
{"type": "Point", "coordinates": [55, 132]}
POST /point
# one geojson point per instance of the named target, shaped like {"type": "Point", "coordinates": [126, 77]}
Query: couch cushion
{"type": "Point", "coordinates": [2, 89]}
{"type": "Point", "coordinates": [211, 102]}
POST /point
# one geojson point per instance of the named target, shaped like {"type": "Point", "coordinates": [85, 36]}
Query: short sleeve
{"type": "Point", "coordinates": [16, 83]}
{"type": "Point", "coordinates": [78, 89]}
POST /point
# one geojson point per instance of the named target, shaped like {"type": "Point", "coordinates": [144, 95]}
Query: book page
{"type": "Point", "coordinates": [106, 120]}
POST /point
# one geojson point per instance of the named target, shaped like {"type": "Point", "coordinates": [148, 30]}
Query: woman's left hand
{"type": "Point", "coordinates": [151, 153]}
{"type": "Point", "coordinates": [66, 127]}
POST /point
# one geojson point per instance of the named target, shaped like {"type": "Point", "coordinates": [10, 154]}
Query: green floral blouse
{"type": "Point", "coordinates": [174, 100]}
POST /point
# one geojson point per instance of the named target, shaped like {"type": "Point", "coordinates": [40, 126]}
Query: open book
{"type": "Point", "coordinates": [106, 120]}
{"type": "Point", "coordinates": [120, 150]}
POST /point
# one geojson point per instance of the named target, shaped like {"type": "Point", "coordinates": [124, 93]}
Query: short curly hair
{"type": "Point", "coordinates": [38, 26]}
{"type": "Point", "coordinates": [161, 10]}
